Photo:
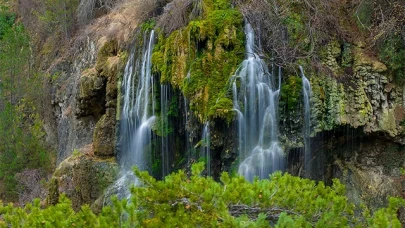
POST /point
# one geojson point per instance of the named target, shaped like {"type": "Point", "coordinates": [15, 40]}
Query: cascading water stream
{"type": "Point", "coordinates": [255, 98]}
{"type": "Point", "coordinates": [164, 108]}
{"type": "Point", "coordinates": [186, 131]}
{"type": "Point", "coordinates": [137, 116]}
{"type": "Point", "coordinates": [306, 90]}
{"type": "Point", "coordinates": [206, 146]}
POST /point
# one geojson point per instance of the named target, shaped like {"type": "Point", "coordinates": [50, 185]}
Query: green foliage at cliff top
{"type": "Point", "coordinates": [198, 201]}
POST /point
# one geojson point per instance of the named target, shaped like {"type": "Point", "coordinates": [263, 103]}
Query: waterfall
{"type": "Point", "coordinates": [186, 131]}
{"type": "Point", "coordinates": [205, 146]}
{"type": "Point", "coordinates": [255, 98]}
{"type": "Point", "coordinates": [306, 91]}
{"type": "Point", "coordinates": [138, 109]}
{"type": "Point", "coordinates": [164, 108]}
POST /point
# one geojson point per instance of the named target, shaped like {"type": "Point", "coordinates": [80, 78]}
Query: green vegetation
{"type": "Point", "coordinates": [6, 20]}
{"type": "Point", "coordinates": [21, 133]}
{"type": "Point", "coordinates": [59, 16]}
{"type": "Point", "coordinates": [209, 49]}
{"type": "Point", "coordinates": [21, 147]}
{"type": "Point", "coordinates": [297, 31]}
{"type": "Point", "coordinates": [162, 127]}
{"type": "Point", "coordinates": [364, 14]}
{"type": "Point", "coordinates": [392, 53]}
{"type": "Point", "coordinates": [291, 91]}
{"type": "Point", "coordinates": [198, 201]}
{"type": "Point", "coordinates": [149, 25]}
{"type": "Point", "coordinates": [14, 56]}
{"type": "Point", "coordinates": [223, 109]}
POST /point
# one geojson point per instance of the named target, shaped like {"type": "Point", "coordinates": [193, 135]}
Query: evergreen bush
{"type": "Point", "coordinates": [197, 201]}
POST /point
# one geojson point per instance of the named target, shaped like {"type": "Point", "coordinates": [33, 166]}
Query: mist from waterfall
{"type": "Point", "coordinates": [255, 98]}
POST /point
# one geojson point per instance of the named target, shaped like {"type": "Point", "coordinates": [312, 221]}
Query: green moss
{"type": "Point", "coordinates": [157, 166]}
{"type": "Point", "coordinates": [209, 50]}
{"type": "Point", "coordinates": [347, 56]}
{"type": "Point", "coordinates": [162, 127]}
{"type": "Point", "coordinates": [148, 25]}
{"type": "Point", "coordinates": [76, 153]}
{"type": "Point", "coordinates": [223, 108]}
{"type": "Point", "coordinates": [211, 5]}
{"type": "Point", "coordinates": [109, 49]}
{"type": "Point", "coordinates": [291, 91]}
{"type": "Point", "coordinates": [174, 107]}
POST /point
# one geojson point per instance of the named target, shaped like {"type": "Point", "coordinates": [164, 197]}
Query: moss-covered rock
{"type": "Point", "coordinates": [83, 178]}
{"type": "Point", "coordinates": [109, 49]}
{"type": "Point", "coordinates": [361, 95]}
{"type": "Point", "coordinates": [104, 135]}
{"type": "Point", "coordinates": [200, 58]}
{"type": "Point", "coordinates": [352, 88]}
{"type": "Point", "coordinates": [91, 95]}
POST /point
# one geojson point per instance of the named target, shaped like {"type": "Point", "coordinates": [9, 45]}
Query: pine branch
{"type": "Point", "coordinates": [253, 211]}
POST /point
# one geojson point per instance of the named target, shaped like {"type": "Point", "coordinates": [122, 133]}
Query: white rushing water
{"type": "Point", "coordinates": [255, 98]}
{"type": "Point", "coordinates": [206, 146]}
{"type": "Point", "coordinates": [306, 91]}
{"type": "Point", "coordinates": [138, 110]}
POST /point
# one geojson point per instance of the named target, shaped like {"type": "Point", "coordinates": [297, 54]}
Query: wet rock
{"type": "Point", "coordinates": [83, 178]}
{"type": "Point", "coordinates": [104, 135]}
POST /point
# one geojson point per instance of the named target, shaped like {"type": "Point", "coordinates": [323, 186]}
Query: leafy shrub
{"type": "Point", "coordinates": [198, 201]}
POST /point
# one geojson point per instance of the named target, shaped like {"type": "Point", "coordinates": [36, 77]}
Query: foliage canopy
{"type": "Point", "coordinates": [198, 201]}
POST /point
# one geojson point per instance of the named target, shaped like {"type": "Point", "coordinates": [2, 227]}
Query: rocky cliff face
{"type": "Point", "coordinates": [364, 95]}
{"type": "Point", "coordinates": [84, 103]}
{"type": "Point", "coordinates": [359, 93]}
{"type": "Point", "coordinates": [352, 91]}
{"type": "Point", "coordinates": [357, 115]}
{"type": "Point", "coordinates": [72, 132]}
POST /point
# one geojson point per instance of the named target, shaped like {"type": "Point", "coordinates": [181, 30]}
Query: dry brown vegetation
{"type": "Point", "coordinates": [178, 13]}
{"type": "Point", "coordinates": [121, 22]}
{"type": "Point", "coordinates": [316, 22]}
{"type": "Point", "coordinates": [276, 21]}
{"type": "Point", "coordinates": [31, 185]}
{"type": "Point", "coordinates": [387, 19]}
{"type": "Point", "coordinates": [100, 20]}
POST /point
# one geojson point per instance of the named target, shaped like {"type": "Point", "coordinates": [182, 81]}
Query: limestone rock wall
{"type": "Point", "coordinates": [356, 90]}
{"type": "Point", "coordinates": [83, 178]}
{"type": "Point", "coordinates": [74, 128]}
